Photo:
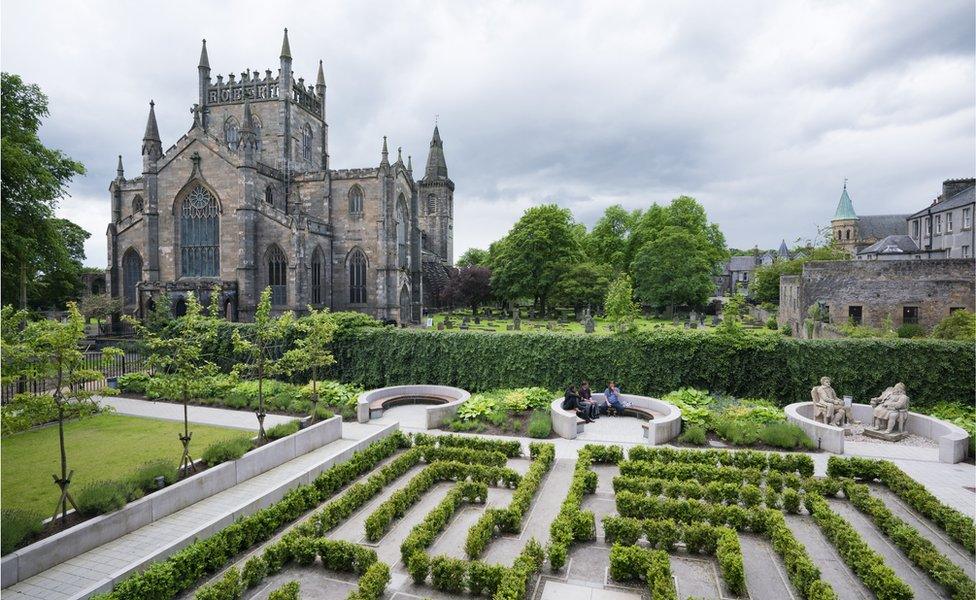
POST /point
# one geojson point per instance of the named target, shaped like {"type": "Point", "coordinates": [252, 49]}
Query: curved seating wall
{"type": "Point", "coordinates": [953, 441]}
{"type": "Point", "coordinates": [438, 413]}
{"type": "Point", "coordinates": [664, 426]}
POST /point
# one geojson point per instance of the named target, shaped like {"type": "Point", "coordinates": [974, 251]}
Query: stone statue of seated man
{"type": "Point", "coordinates": [827, 407]}
{"type": "Point", "coordinates": [891, 409]}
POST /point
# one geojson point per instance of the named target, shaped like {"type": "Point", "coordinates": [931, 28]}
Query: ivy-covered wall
{"type": "Point", "coordinates": [778, 368]}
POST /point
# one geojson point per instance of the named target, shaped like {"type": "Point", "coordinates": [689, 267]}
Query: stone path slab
{"type": "Point", "coordinates": [203, 415]}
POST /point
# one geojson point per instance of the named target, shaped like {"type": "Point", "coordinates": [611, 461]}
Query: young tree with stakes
{"type": "Point", "coordinates": [49, 350]}
{"type": "Point", "coordinates": [312, 350]}
{"type": "Point", "coordinates": [178, 350]}
{"type": "Point", "coordinates": [268, 335]}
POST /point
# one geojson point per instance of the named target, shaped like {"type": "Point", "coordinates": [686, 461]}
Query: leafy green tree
{"type": "Point", "coordinates": [765, 280]}
{"type": "Point", "coordinates": [683, 212]}
{"type": "Point", "coordinates": [99, 307]}
{"type": "Point", "coordinates": [470, 286]}
{"type": "Point", "coordinates": [619, 305]}
{"type": "Point", "coordinates": [474, 257]}
{"type": "Point", "coordinates": [312, 348]}
{"type": "Point", "coordinates": [583, 284]}
{"type": "Point", "coordinates": [674, 269]}
{"type": "Point", "coordinates": [732, 314]}
{"type": "Point", "coordinates": [50, 350]}
{"type": "Point", "coordinates": [263, 349]}
{"type": "Point", "coordinates": [41, 255]}
{"type": "Point", "coordinates": [179, 350]}
{"type": "Point", "coordinates": [540, 247]}
{"type": "Point", "coordinates": [960, 325]}
{"type": "Point", "coordinates": [607, 242]}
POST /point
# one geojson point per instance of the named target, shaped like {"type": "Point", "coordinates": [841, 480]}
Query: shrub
{"type": "Point", "coordinates": [283, 429]}
{"type": "Point", "coordinates": [483, 579]}
{"type": "Point", "coordinates": [419, 566]}
{"type": "Point", "coordinates": [25, 411]}
{"type": "Point", "coordinates": [101, 497]}
{"type": "Point", "coordinates": [448, 574]}
{"type": "Point", "coordinates": [373, 582]}
{"type": "Point", "coordinates": [771, 323]}
{"type": "Point", "coordinates": [692, 403]}
{"type": "Point", "coordinates": [911, 330]}
{"type": "Point", "coordinates": [791, 501]}
{"type": "Point", "coordinates": [134, 383]}
{"type": "Point", "coordinates": [960, 325]}
{"type": "Point", "coordinates": [228, 587]}
{"type": "Point", "coordinates": [729, 555]}
{"type": "Point", "coordinates": [255, 569]}
{"type": "Point", "coordinates": [540, 424]}
{"type": "Point", "coordinates": [694, 434]}
{"type": "Point", "coordinates": [145, 476]}
{"type": "Point", "coordinates": [225, 450]}
{"type": "Point", "coordinates": [786, 435]}
{"type": "Point", "coordinates": [17, 526]}
{"type": "Point", "coordinates": [736, 432]}
{"type": "Point", "coordinates": [657, 361]}
{"type": "Point", "coordinates": [628, 563]}
{"type": "Point", "coordinates": [289, 591]}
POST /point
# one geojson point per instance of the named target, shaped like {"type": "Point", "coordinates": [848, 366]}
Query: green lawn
{"type": "Point", "coordinates": [602, 325]}
{"type": "Point", "coordinates": [101, 447]}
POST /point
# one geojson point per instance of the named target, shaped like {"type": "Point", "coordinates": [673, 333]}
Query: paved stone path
{"type": "Point", "coordinates": [203, 415]}
{"type": "Point", "coordinates": [97, 568]}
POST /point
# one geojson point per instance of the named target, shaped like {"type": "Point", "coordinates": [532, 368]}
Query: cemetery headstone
{"type": "Point", "coordinates": [516, 320]}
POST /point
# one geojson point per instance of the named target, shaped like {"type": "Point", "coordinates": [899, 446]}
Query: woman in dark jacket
{"type": "Point", "coordinates": [572, 401]}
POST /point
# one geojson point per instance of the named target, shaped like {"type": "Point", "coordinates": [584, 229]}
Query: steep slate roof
{"type": "Point", "coordinates": [742, 263]}
{"type": "Point", "coordinates": [963, 198]}
{"type": "Point", "coordinates": [845, 208]}
{"type": "Point", "coordinates": [892, 244]}
{"type": "Point", "coordinates": [783, 251]}
{"type": "Point", "coordinates": [880, 226]}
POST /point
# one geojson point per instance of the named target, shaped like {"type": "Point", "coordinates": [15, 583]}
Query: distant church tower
{"type": "Point", "coordinates": [844, 224]}
{"type": "Point", "coordinates": [436, 192]}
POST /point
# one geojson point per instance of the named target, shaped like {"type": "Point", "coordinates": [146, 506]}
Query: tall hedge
{"type": "Point", "coordinates": [655, 362]}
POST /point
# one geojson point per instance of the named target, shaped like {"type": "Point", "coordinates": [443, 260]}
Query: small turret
{"type": "Point", "coordinates": [410, 165]}
{"type": "Point", "coordinates": [385, 160]}
{"type": "Point", "coordinates": [399, 156]}
{"type": "Point", "coordinates": [119, 171]}
{"type": "Point", "coordinates": [152, 146]}
{"type": "Point", "coordinates": [285, 47]}
{"type": "Point", "coordinates": [203, 75]}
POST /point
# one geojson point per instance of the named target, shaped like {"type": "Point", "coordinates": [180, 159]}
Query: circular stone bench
{"type": "Point", "coordinates": [444, 401]}
{"type": "Point", "coordinates": [953, 440]}
{"type": "Point", "coordinates": [663, 420]}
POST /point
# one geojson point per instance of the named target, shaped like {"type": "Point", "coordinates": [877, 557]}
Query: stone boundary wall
{"type": "Point", "coordinates": [87, 535]}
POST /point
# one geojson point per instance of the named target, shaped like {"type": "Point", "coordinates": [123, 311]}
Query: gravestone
{"type": "Point", "coordinates": [562, 319]}
{"type": "Point", "coordinates": [516, 320]}
{"type": "Point", "coordinates": [715, 320]}
{"type": "Point", "coordinates": [694, 325]}
{"type": "Point", "coordinates": [477, 320]}
{"type": "Point", "coordinates": [686, 324]}
{"type": "Point", "coordinates": [509, 327]}
{"type": "Point", "coordinates": [588, 325]}
{"type": "Point", "coordinates": [440, 327]}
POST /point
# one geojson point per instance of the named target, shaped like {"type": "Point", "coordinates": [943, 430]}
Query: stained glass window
{"type": "Point", "coordinates": [131, 275]}
{"type": "Point", "coordinates": [199, 239]}
{"type": "Point", "coordinates": [277, 276]}
{"type": "Point", "coordinates": [357, 278]}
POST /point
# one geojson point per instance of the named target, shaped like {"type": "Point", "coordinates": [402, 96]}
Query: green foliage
{"type": "Point", "coordinates": [288, 591]}
{"type": "Point", "coordinates": [448, 574]}
{"type": "Point", "coordinates": [658, 361]}
{"type": "Point", "coordinates": [226, 450]}
{"type": "Point", "coordinates": [739, 433]}
{"type": "Point", "coordinates": [693, 405]}
{"type": "Point", "coordinates": [473, 257]}
{"type": "Point", "coordinates": [911, 330]}
{"type": "Point", "coordinates": [41, 254]}
{"type": "Point", "coordinates": [482, 405]}
{"type": "Point", "coordinates": [674, 269]}
{"type": "Point", "coordinates": [959, 325]}
{"type": "Point", "coordinates": [786, 435]}
{"type": "Point", "coordinates": [283, 429]}
{"type": "Point", "coordinates": [536, 252]}
{"type": "Point", "coordinates": [957, 414]}
{"type": "Point", "coordinates": [145, 476]}
{"type": "Point", "coordinates": [418, 565]}
{"type": "Point", "coordinates": [373, 582]}
{"type": "Point", "coordinates": [25, 411]}
{"type": "Point", "coordinates": [540, 424]}
{"type": "Point", "coordinates": [619, 305]}
{"type": "Point", "coordinates": [693, 434]}
{"type": "Point", "coordinates": [134, 383]}
{"type": "Point", "coordinates": [17, 526]}
{"type": "Point", "coordinates": [254, 571]}
{"type": "Point", "coordinates": [101, 497]}
{"type": "Point", "coordinates": [583, 284]}
{"type": "Point", "coordinates": [729, 555]}
{"type": "Point", "coordinates": [311, 349]}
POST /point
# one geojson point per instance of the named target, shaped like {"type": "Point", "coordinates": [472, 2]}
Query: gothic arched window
{"type": "Point", "coordinates": [402, 217]}
{"type": "Point", "coordinates": [277, 275]}
{"type": "Point", "coordinates": [357, 277]}
{"type": "Point", "coordinates": [269, 195]}
{"type": "Point", "coordinates": [232, 133]}
{"type": "Point", "coordinates": [131, 275]}
{"type": "Point", "coordinates": [356, 200]}
{"type": "Point", "coordinates": [307, 142]}
{"type": "Point", "coordinates": [431, 204]}
{"type": "Point", "coordinates": [318, 292]}
{"type": "Point", "coordinates": [199, 234]}
{"type": "Point", "coordinates": [137, 204]}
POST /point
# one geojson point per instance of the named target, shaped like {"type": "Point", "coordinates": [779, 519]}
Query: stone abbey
{"type": "Point", "coordinates": [247, 199]}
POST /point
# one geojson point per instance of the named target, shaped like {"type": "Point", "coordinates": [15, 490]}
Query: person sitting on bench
{"type": "Point", "coordinates": [612, 394]}
{"type": "Point", "coordinates": [572, 401]}
{"type": "Point", "coordinates": [586, 394]}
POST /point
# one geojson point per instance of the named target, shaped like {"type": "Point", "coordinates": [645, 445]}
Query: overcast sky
{"type": "Point", "coordinates": [757, 109]}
